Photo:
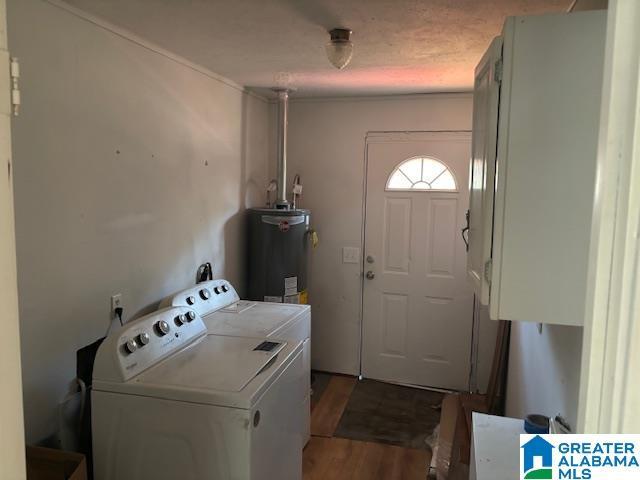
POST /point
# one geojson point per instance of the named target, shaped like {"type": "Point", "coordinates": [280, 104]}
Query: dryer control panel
{"type": "Point", "coordinates": [140, 344]}
{"type": "Point", "coordinates": [207, 297]}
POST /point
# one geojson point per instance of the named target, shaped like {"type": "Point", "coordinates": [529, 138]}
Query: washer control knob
{"type": "Point", "coordinates": [143, 339]}
{"type": "Point", "coordinates": [225, 288]}
{"type": "Point", "coordinates": [131, 346]}
{"type": "Point", "coordinates": [217, 290]}
{"type": "Point", "coordinates": [180, 320]}
{"type": "Point", "coordinates": [162, 328]}
{"type": "Point", "coordinates": [191, 316]}
{"type": "Point", "coordinates": [191, 300]}
{"type": "Point", "coordinates": [205, 294]}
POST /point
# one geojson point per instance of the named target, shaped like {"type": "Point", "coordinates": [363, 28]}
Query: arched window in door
{"type": "Point", "coordinates": [421, 173]}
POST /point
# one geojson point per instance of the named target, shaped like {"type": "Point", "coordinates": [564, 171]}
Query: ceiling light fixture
{"type": "Point", "coordinates": [340, 48]}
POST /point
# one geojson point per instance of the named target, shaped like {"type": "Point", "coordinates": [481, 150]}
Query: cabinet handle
{"type": "Point", "coordinates": [465, 239]}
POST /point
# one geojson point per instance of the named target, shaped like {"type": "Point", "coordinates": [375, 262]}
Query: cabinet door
{"type": "Point", "coordinates": [546, 166]}
{"type": "Point", "coordinates": [486, 95]}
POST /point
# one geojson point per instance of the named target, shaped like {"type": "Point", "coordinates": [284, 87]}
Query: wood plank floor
{"type": "Point", "coordinates": [331, 458]}
{"type": "Point", "coordinates": [327, 413]}
{"type": "Point", "coordinates": [339, 458]}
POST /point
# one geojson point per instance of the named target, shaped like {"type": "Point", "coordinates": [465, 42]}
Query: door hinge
{"type": "Point", "coordinates": [497, 71]}
{"type": "Point", "coordinates": [488, 266]}
{"type": "Point", "coordinates": [14, 71]}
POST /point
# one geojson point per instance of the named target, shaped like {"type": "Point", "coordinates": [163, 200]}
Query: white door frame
{"type": "Point", "coordinates": [609, 395]}
{"type": "Point", "coordinates": [11, 417]}
{"type": "Point", "coordinates": [372, 137]}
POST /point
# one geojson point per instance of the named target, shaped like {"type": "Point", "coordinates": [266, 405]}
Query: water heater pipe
{"type": "Point", "coordinates": [281, 149]}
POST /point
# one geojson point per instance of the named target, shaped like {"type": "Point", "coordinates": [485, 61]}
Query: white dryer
{"type": "Point", "coordinates": [225, 314]}
{"type": "Point", "coordinates": [171, 402]}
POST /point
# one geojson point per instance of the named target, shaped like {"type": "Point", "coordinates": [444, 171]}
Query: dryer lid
{"type": "Point", "coordinates": [261, 319]}
{"type": "Point", "coordinates": [225, 364]}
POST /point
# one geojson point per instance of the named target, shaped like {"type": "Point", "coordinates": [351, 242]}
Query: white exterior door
{"type": "Point", "coordinates": [417, 305]}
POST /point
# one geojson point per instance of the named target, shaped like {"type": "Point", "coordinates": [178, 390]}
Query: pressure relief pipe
{"type": "Point", "coordinates": [281, 149]}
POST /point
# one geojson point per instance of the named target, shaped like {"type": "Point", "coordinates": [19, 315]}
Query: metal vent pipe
{"type": "Point", "coordinates": [281, 149]}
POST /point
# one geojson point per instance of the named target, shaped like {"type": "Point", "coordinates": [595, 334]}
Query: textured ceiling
{"type": "Point", "coordinates": [401, 46]}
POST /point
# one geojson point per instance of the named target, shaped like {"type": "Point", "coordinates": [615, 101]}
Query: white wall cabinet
{"type": "Point", "coordinates": [535, 130]}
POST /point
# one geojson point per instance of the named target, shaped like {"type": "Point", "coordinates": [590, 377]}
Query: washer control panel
{"type": "Point", "coordinates": [207, 297]}
{"type": "Point", "coordinates": [140, 344]}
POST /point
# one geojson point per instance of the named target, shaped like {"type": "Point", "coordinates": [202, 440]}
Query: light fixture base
{"type": "Point", "coordinates": [340, 34]}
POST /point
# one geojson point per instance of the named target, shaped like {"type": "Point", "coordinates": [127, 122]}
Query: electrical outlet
{"type": "Point", "coordinates": [116, 302]}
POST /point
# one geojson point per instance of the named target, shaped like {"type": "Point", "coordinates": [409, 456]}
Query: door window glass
{"type": "Point", "coordinates": [421, 173]}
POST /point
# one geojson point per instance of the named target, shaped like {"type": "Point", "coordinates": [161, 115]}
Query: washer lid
{"type": "Point", "coordinates": [219, 363]}
{"type": "Point", "coordinates": [215, 370]}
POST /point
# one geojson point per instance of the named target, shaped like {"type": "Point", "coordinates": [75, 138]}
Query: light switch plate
{"type": "Point", "coordinates": [350, 255]}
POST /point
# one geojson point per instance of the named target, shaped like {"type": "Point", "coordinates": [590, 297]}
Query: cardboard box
{"type": "Point", "coordinates": [51, 464]}
{"type": "Point", "coordinates": [448, 454]}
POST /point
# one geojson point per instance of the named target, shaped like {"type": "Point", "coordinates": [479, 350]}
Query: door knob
{"type": "Point", "coordinates": [370, 275]}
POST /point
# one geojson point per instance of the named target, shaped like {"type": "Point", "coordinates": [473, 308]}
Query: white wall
{"type": "Point", "coordinates": [11, 425]}
{"type": "Point", "coordinates": [326, 147]}
{"type": "Point", "coordinates": [590, 5]}
{"type": "Point", "coordinates": [544, 370]}
{"type": "Point", "coordinates": [131, 169]}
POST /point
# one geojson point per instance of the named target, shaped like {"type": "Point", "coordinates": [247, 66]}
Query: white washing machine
{"type": "Point", "coordinates": [171, 402]}
{"type": "Point", "coordinates": [225, 314]}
